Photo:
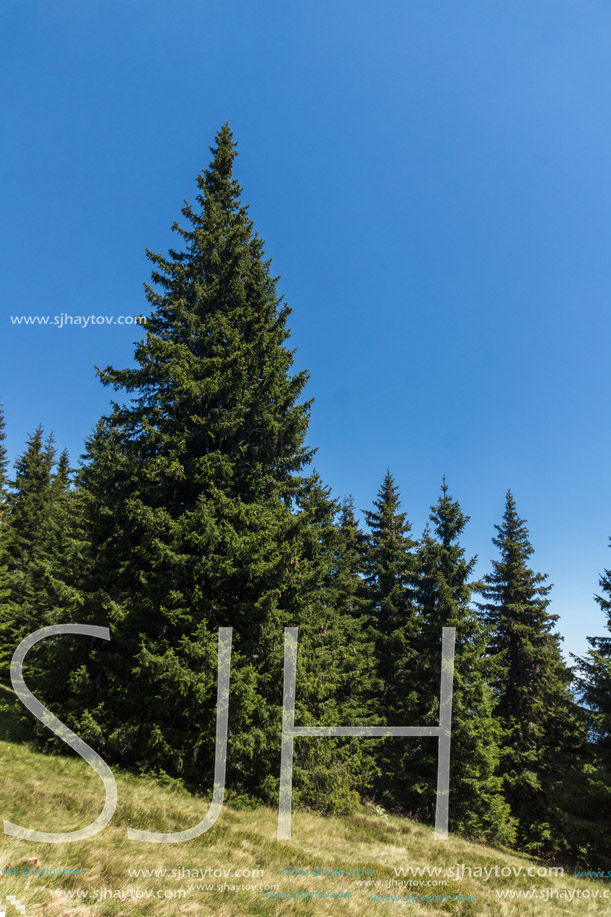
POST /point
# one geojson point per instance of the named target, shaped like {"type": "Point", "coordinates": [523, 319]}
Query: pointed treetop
{"type": "Point", "coordinates": [224, 153]}
{"type": "Point", "coordinates": [347, 512]}
{"type": "Point", "coordinates": [513, 591]}
{"type": "Point", "coordinates": [216, 181]}
{"type": "Point", "coordinates": [389, 557]}
{"type": "Point", "coordinates": [63, 471]}
{"type": "Point", "coordinates": [604, 599]}
{"type": "Point", "coordinates": [448, 518]}
{"type": "Point", "coordinates": [3, 456]}
{"type": "Point", "coordinates": [215, 398]}
{"type": "Point", "coordinates": [36, 461]}
{"type": "Point", "coordinates": [513, 538]}
{"type": "Point", "coordinates": [387, 502]}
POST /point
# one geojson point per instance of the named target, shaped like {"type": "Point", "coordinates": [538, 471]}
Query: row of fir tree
{"type": "Point", "coordinates": [195, 507]}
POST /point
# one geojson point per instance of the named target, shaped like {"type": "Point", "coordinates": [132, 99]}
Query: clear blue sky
{"type": "Point", "coordinates": [433, 184]}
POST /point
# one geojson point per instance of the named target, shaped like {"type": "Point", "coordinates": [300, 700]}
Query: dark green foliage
{"type": "Point", "coordinates": [57, 568]}
{"type": "Point", "coordinates": [37, 541]}
{"type": "Point", "coordinates": [196, 517]}
{"type": "Point", "coordinates": [336, 675]}
{"type": "Point", "coordinates": [348, 575]}
{"type": "Point", "coordinates": [195, 509]}
{"type": "Point", "coordinates": [4, 587]}
{"type": "Point", "coordinates": [542, 730]}
{"type": "Point", "coordinates": [595, 685]}
{"type": "Point", "coordinates": [597, 671]}
{"type": "Point", "coordinates": [3, 465]}
{"type": "Point", "coordinates": [389, 580]}
{"type": "Point", "coordinates": [25, 528]}
{"type": "Point", "coordinates": [444, 600]}
{"type": "Point", "coordinates": [389, 560]}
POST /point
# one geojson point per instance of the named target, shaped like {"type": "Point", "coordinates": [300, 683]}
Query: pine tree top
{"type": "Point", "coordinates": [601, 646]}
{"type": "Point", "coordinates": [604, 599]}
{"type": "Point", "coordinates": [386, 518]}
{"type": "Point", "coordinates": [513, 585]}
{"type": "Point", "coordinates": [3, 457]}
{"type": "Point", "coordinates": [389, 561]}
{"type": "Point", "coordinates": [445, 587]}
{"type": "Point", "coordinates": [63, 471]}
{"type": "Point", "coordinates": [213, 396]}
{"type": "Point", "coordinates": [34, 465]}
{"type": "Point", "coordinates": [447, 517]}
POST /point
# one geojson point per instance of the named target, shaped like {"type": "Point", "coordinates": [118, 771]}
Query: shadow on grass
{"type": "Point", "coordinates": [11, 730]}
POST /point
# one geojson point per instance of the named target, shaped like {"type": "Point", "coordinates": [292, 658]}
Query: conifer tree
{"type": "Point", "coordinates": [445, 587]}
{"type": "Point", "coordinates": [336, 673]}
{"type": "Point", "coordinates": [389, 569]}
{"type": "Point", "coordinates": [49, 579]}
{"type": "Point", "coordinates": [389, 560]}
{"type": "Point", "coordinates": [54, 569]}
{"type": "Point", "coordinates": [24, 527]}
{"type": "Point", "coordinates": [595, 687]}
{"type": "Point", "coordinates": [4, 588]}
{"type": "Point", "coordinates": [350, 565]}
{"type": "Point", "coordinates": [3, 466]}
{"type": "Point", "coordinates": [350, 598]}
{"type": "Point", "coordinates": [596, 668]}
{"type": "Point", "coordinates": [542, 743]}
{"type": "Point", "coordinates": [194, 503]}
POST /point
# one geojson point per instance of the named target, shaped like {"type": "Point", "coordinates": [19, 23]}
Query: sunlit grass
{"type": "Point", "coordinates": [51, 793]}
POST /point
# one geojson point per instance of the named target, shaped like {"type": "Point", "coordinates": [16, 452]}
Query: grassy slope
{"type": "Point", "coordinates": [63, 793]}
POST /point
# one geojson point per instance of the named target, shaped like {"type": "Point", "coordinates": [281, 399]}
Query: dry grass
{"type": "Point", "coordinates": [63, 793]}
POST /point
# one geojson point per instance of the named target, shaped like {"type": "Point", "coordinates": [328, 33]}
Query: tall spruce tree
{"type": "Point", "coordinates": [389, 578]}
{"type": "Point", "coordinates": [389, 560]}
{"type": "Point", "coordinates": [3, 466]}
{"type": "Point", "coordinates": [595, 687]}
{"type": "Point", "coordinates": [543, 739]}
{"type": "Point", "coordinates": [352, 596]}
{"type": "Point", "coordinates": [596, 668]}
{"type": "Point", "coordinates": [336, 657]}
{"type": "Point", "coordinates": [445, 588]}
{"type": "Point", "coordinates": [198, 515]}
{"type": "Point", "coordinates": [25, 543]}
{"type": "Point", "coordinates": [54, 571]}
{"type": "Point", "coordinates": [46, 582]}
{"type": "Point", "coordinates": [4, 586]}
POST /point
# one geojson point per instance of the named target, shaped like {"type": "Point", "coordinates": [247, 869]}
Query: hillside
{"type": "Point", "coordinates": [356, 857]}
